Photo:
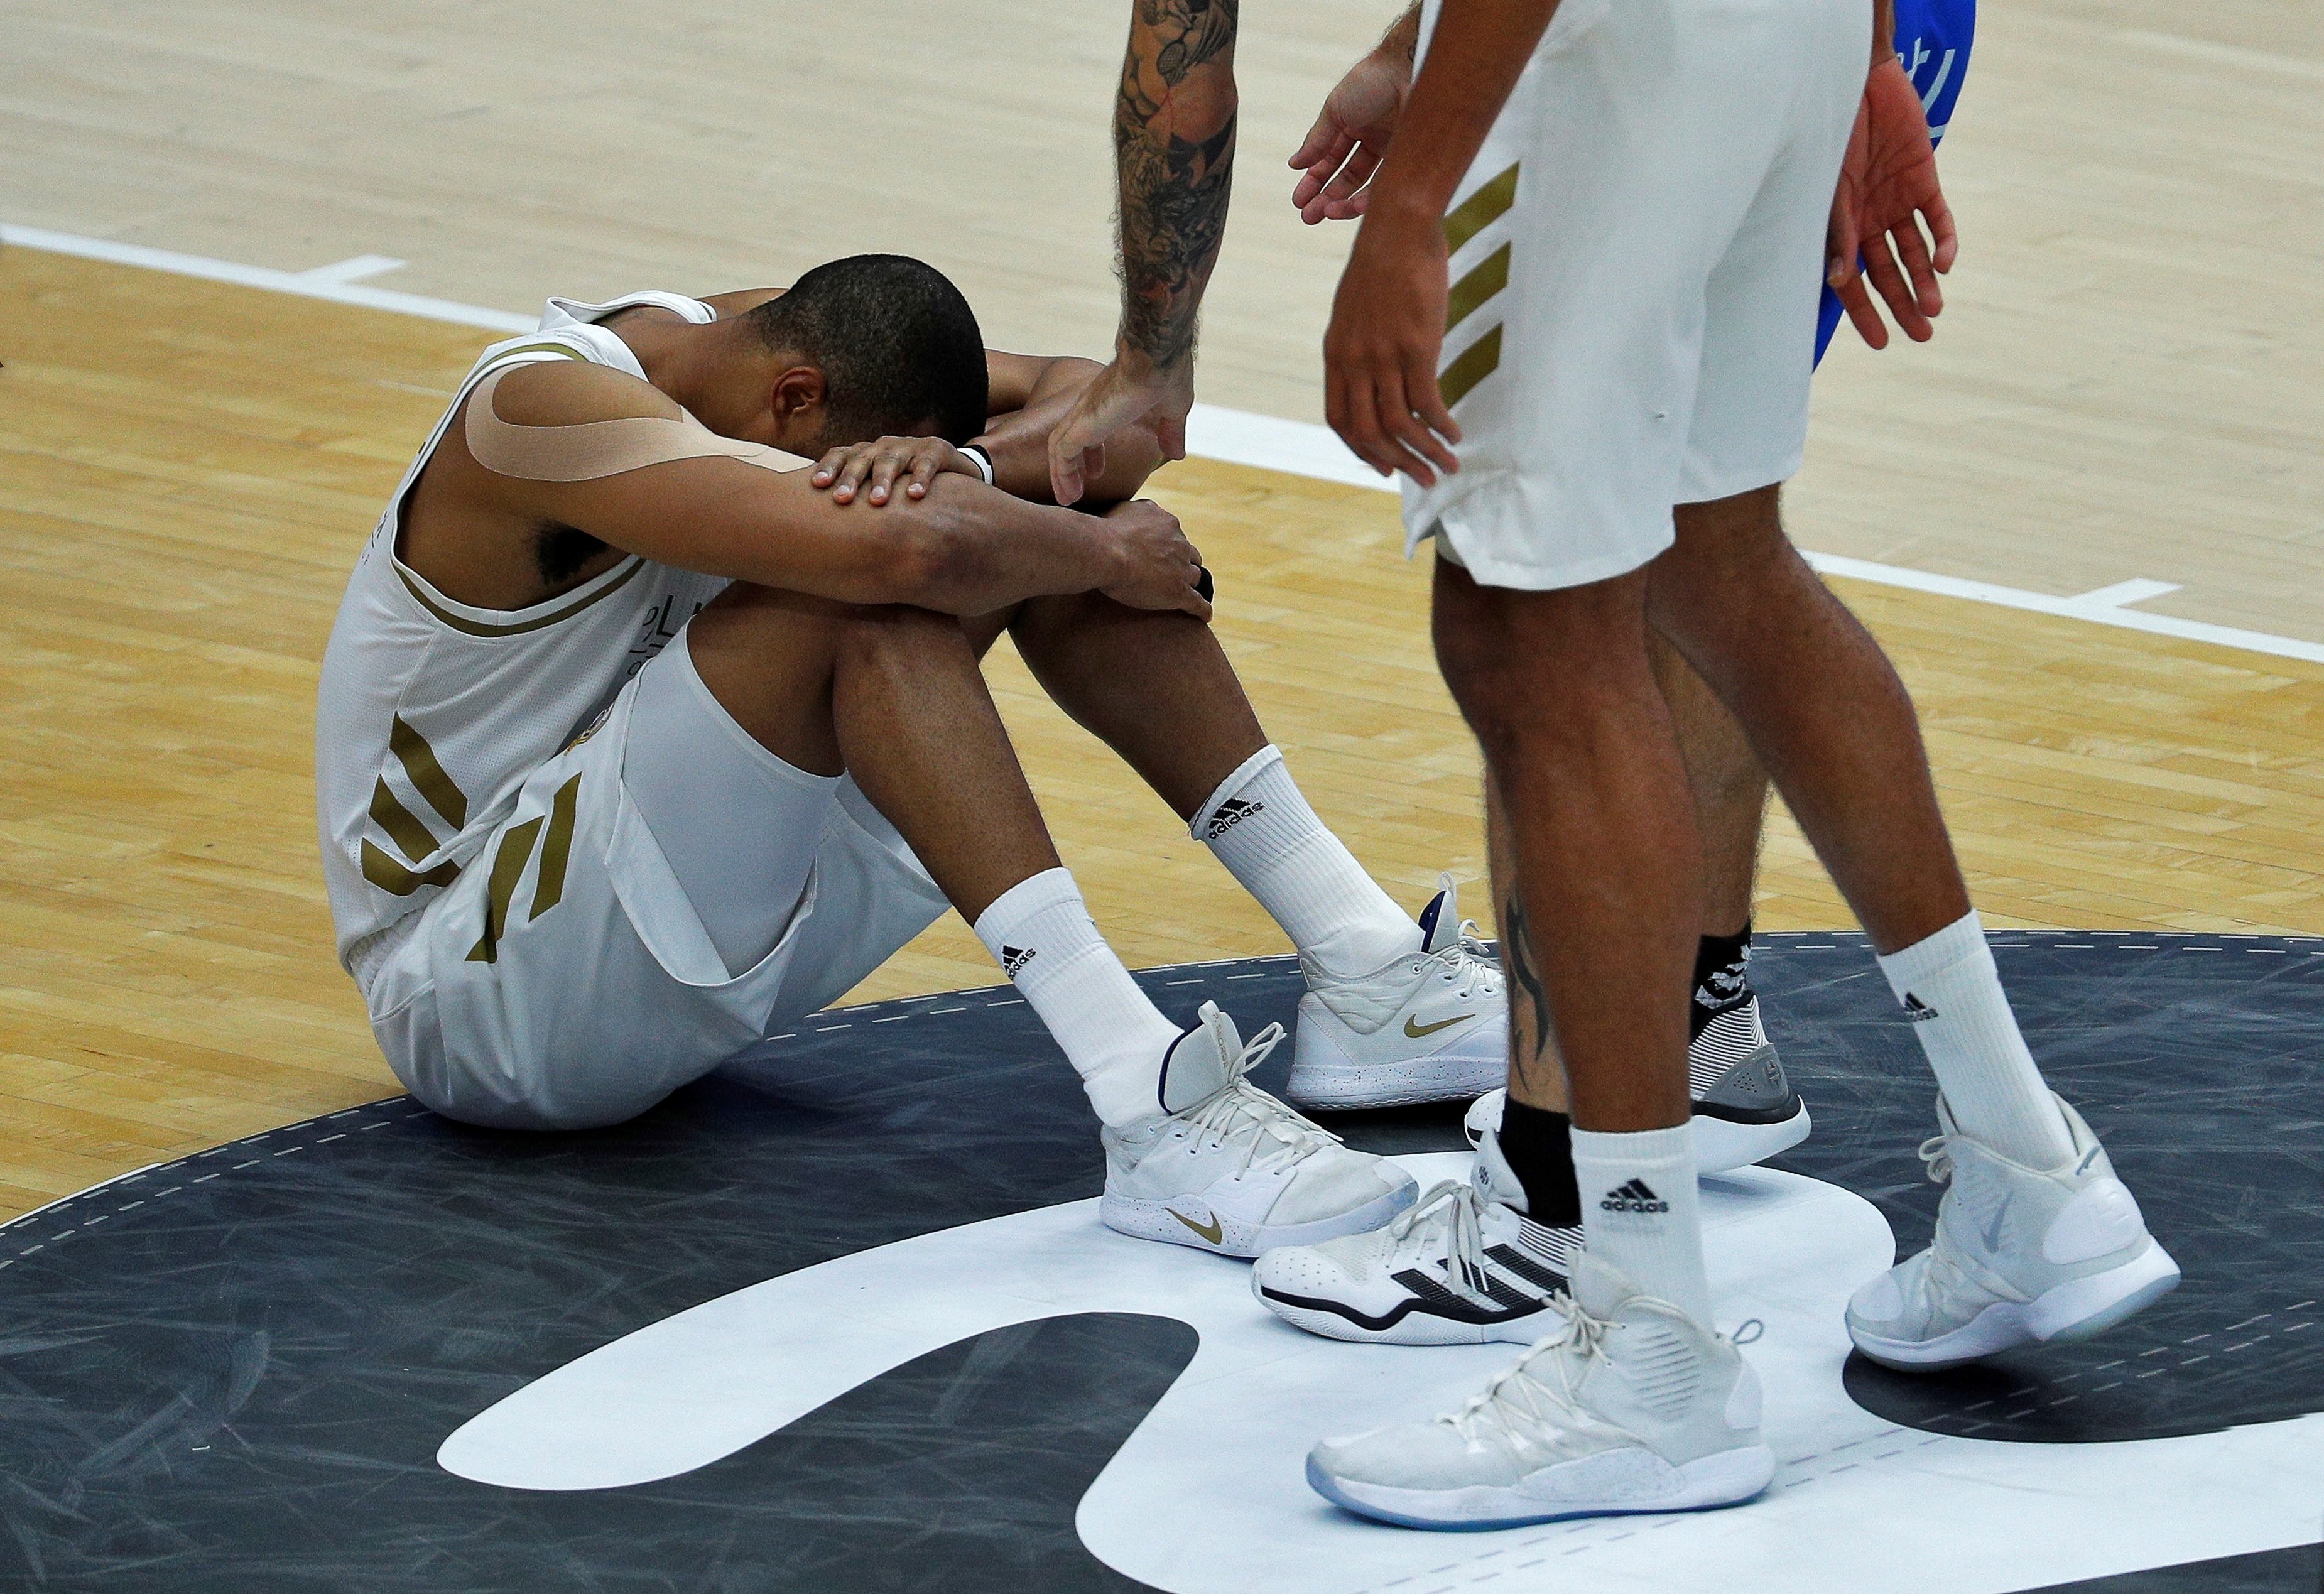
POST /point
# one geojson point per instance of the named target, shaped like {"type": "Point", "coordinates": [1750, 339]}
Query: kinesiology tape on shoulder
{"type": "Point", "coordinates": [588, 450]}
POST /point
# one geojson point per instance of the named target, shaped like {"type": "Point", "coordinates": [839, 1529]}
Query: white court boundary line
{"type": "Point", "coordinates": [1235, 437]}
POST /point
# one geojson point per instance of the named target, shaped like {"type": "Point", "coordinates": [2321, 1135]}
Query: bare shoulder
{"type": "Point", "coordinates": [571, 392]}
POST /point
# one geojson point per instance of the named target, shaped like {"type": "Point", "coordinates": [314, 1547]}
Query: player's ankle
{"type": "Point", "coordinates": [1537, 1145]}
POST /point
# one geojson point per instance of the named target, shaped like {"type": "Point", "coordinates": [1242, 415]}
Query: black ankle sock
{"type": "Point", "coordinates": [1718, 962]}
{"type": "Point", "coordinates": [1540, 1152]}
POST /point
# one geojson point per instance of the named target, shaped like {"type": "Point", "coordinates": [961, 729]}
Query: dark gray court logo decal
{"type": "Point", "coordinates": [236, 1372]}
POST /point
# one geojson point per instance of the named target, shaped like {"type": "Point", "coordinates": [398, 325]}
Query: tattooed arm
{"type": "Point", "coordinates": [1173, 128]}
{"type": "Point", "coordinates": [1173, 138]}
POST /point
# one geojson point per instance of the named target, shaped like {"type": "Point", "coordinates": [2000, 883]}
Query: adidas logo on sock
{"type": "Point", "coordinates": [1231, 813]}
{"type": "Point", "coordinates": [1916, 1010]}
{"type": "Point", "coordinates": [1013, 958]}
{"type": "Point", "coordinates": [1637, 1196]}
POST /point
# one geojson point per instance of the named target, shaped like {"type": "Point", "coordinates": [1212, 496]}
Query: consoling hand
{"type": "Point", "coordinates": [1888, 192]}
{"type": "Point", "coordinates": [918, 460]}
{"type": "Point", "coordinates": [1126, 393]}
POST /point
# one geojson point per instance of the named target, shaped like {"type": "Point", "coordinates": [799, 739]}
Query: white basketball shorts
{"type": "Point", "coordinates": [565, 981]}
{"type": "Point", "coordinates": [1637, 255]}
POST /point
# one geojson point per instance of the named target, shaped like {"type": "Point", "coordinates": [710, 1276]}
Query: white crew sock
{"type": "Point", "coordinates": [1043, 938]}
{"type": "Point", "coordinates": [1261, 828]}
{"type": "Point", "coordinates": [1639, 1212]}
{"type": "Point", "coordinates": [1953, 993]}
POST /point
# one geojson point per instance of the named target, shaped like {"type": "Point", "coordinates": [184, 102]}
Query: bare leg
{"type": "Point", "coordinates": [1730, 789]}
{"type": "Point", "coordinates": [1154, 688]}
{"type": "Point", "coordinates": [1536, 1073]}
{"type": "Point", "coordinates": [893, 697]}
{"type": "Point", "coordinates": [1823, 709]}
{"type": "Point", "coordinates": [1579, 744]}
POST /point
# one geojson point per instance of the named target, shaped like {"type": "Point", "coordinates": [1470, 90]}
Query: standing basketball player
{"type": "Point", "coordinates": [1484, 1259]}
{"type": "Point", "coordinates": [1617, 207]}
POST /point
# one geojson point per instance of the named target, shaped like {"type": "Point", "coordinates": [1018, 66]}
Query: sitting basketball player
{"type": "Point", "coordinates": [635, 745]}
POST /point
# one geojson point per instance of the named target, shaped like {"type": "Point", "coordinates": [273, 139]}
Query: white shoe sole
{"type": "Point", "coordinates": [2075, 1310]}
{"type": "Point", "coordinates": [1720, 1147]}
{"type": "Point", "coordinates": [1155, 1220]}
{"type": "Point", "coordinates": [1337, 1085]}
{"type": "Point", "coordinates": [1414, 1328]}
{"type": "Point", "coordinates": [1727, 1477]}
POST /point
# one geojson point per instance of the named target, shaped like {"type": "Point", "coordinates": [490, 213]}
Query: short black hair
{"type": "Point", "coordinates": [897, 343]}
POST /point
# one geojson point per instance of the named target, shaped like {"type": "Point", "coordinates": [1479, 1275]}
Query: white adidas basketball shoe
{"type": "Point", "coordinates": [2021, 1255]}
{"type": "Point", "coordinates": [1633, 1406]}
{"type": "Point", "coordinates": [1465, 1265]}
{"type": "Point", "coordinates": [1226, 1167]}
{"type": "Point", "coordinates": [1432, 1025]}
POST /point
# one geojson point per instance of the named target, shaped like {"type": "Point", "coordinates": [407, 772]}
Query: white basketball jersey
{"type": "Point", "coordinates": [432, 712]}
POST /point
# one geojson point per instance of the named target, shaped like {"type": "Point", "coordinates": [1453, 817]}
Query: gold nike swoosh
{"type": "Point", "coordinates": [1417, 1030]}
{"type": "Point", "coordinates": [1212, 1231]}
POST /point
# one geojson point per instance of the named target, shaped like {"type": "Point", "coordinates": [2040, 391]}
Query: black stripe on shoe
{"type": "Point", "coordinates": [1430, 1299]}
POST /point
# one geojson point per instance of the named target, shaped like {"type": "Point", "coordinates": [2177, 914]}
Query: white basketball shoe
{"type": "Point", "coordinates": [1745, 1108]}
{"type": "Point", "coordinates": [1463, 1267]}
{"type": "Point", "coordinates": [1226, 1167]}
{"type": "Point", "coordinates": [1727, 1135]}
{"type": "Point", "coordinates": [1432, 1025]}
{"type": "Point", "coordinates": [1633, 1406]}
{"type": "Point", "coordinates": [2021, 1255]}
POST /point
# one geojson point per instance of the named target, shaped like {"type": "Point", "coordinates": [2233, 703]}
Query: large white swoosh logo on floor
{"type": "Point", "coordinates": [1208, 1494]}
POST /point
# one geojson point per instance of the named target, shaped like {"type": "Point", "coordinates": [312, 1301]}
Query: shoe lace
{"type": "Point", "coordinates": [1273, 1134]}
{"type": "Point", "coordinates": [1945, 1273]}
{"type": "Point", "coordinates": [1469, 963]}
{"type": "Point", "coordinates": [1459, 1209]}
{"type": "Point", "coordinates": [1523, 1401]}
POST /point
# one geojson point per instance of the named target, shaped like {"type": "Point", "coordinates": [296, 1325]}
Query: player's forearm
{"type": "Point", "coordinates": [1019, 442]}
{"type": "Point", "coordinates": [1477, 52]}
{"type": "Point", "coordinates": [1174, 131]}
{"type": "Point", "coordinates": [976, 549]}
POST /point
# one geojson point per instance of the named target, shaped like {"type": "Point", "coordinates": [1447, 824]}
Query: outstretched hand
{"type": "Point", "coordinates": [1351, 138]}
{"type": "Point", "coordinates": [1888, 191]}
{"type": "Point", "coordinates": [1129, 393]}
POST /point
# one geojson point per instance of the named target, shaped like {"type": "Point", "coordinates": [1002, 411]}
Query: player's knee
{"type": "Point", "coordinates": [891, 634]}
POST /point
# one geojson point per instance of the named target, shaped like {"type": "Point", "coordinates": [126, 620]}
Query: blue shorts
{"type": "Point", "coordinates": [1933, 38]}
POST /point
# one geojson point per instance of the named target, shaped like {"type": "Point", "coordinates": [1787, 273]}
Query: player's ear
{"type": "Point", "coordinates": [798, 398]}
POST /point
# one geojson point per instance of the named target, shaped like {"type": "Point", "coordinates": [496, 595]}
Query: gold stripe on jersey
{"type": "Point", "coordinates": [476, 628]}
{"type": "Point", "coordinates": [550, 889]}
{"type": "Point", "coordinates": [1480, 360]}
{"type": "Point", "coordinates": [508, 867]}
{"type": "Point", "coordinates": [1490, 277]}
{"type": "Point", "coordinates": [1481, 210]}
{"type": "Point", "coordinates": [427, 777]}
{"type": "Point", "coordinates": [401, 824]}
{"type": "Point", "coordinates": [388, 876]}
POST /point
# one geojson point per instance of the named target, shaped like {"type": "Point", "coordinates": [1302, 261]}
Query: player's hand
{"type": "Point", "coordinates": [1126, 393]}
{"type": "Point", "coordinates": [1161, 569]}
{"type": "Point", "coordinates": [1351, 138]}
{"type": "Point", "coordinates": [1888, 193]}
{"type": "Point", "coordinates": [917, 461]}
{"type": "Point", "coordinates": [1380, 353]}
